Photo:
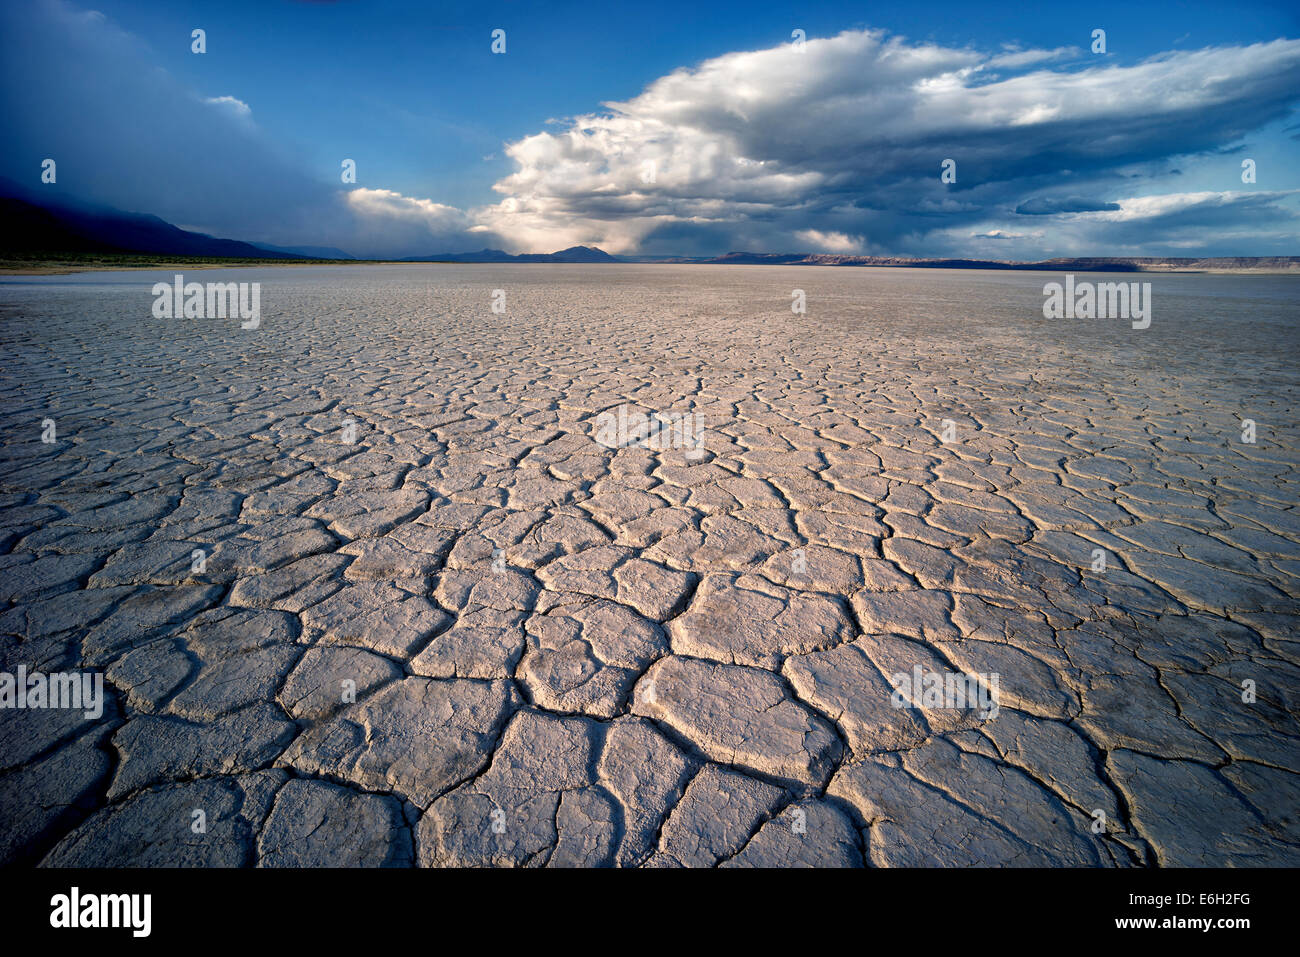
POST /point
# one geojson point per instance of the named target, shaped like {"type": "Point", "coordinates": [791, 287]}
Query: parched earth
{"type": "Point", "coordinates": [366, 589]}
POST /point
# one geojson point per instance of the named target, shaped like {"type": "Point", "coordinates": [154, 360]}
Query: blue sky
{"type": "Point", "coordinates": [1058, 150]}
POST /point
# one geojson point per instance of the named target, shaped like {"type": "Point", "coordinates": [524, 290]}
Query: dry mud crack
{"type": "Point", "coordinates": [365, 589]}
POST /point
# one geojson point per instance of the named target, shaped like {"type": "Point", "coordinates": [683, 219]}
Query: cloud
{"type": "Point", "coordinates": [1147, 208]}
{"type": "Point", "coordinates": [236, 107]}
{"type": "Point", "coordinates": [387, 204]}
{"type": "Point", "coordinates": [1052, 205]}
{"type": "Point", "coordinates": [818, 241]}
{"type": "Point", "coordinates": [846, 138]}
{"type": "Point", "coordinates": [1015, 59]}
{"type": "Point", "coordinates": [389, 224]}
{"type": "Point", "coordinates": [1220, 223]}
{"type": "Point", "coordinates": [144, 141]}
{"type": "Point", "coordinates": [129, 134]}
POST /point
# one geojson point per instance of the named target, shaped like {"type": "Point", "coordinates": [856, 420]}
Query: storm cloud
{"type": "Point", "coordinates": [846, 136]}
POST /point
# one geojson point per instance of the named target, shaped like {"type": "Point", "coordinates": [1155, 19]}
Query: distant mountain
{"type": "Point", "coordinates": [482, 256]}
{"type": "Point", "coordinates": [1077, 264]}
{"type": "Point", "coordinates": [574, 254]}
{"type": "Point", "coordinates": [581, 254]}
{"type": "Point", "coordinates": [57, 226]}
{"type": "Point", "coordinates": [311, 252]}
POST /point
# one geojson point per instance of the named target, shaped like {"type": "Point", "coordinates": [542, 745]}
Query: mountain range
{"type": "Point", "coordinates": [1062, 264]}
{"type": "Point", "coordinates": [574, 254]}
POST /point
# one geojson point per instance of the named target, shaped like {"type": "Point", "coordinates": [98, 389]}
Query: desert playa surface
{"type": "Point", "coordinates": [366, 586]}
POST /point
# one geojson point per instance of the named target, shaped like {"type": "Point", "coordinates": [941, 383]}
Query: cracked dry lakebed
{"type": "Point", "coordinates": [642, 567]}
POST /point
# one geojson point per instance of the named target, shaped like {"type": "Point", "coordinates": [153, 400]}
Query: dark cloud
{"type": "Point", "coordinates": [1051, 205]}
{"type": "Point", "coordinates": [123, 132]}
{"type": "Point", "coordinates": [848, 136]}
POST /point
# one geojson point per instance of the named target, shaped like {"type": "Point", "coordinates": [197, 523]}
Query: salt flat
{"type": "Point", "coordinates": [367, 588]}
